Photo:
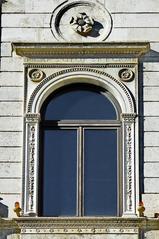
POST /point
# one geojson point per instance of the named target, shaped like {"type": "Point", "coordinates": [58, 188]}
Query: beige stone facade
{"type": "Point", "coordinates": [37, 35]}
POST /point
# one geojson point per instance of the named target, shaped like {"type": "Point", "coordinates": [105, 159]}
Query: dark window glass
{"type": "Point", "coordinates": [78, 161]}
{"type": "Point", "coordinates": [100, 172]}
{"type": "Point", "coordinates": [79, 102]}
{"type": "Point", "coordinates": [59, 172]}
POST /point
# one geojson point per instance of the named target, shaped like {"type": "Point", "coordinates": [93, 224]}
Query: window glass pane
{"type": "Point", "coordinates": [59, 172]}
{"type": "Point", "coordinates": [79, 102]}
{"type": "Point", "coordinates": [100, 172]}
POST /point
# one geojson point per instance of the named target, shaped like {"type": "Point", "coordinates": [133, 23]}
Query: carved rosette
{"type": "Point", "coordinates": [82, 23]}
{"type": "Point", "coordinates": [126, 75]}
{"type": "Point", "coordinates": [129, 160]}
{"type": "Point", "coordinates": [31, 154]}
{"type": "Point", "coordinates": [36, 75]}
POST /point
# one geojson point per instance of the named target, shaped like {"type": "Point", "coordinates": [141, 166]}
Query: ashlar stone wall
{"type": "Point", "coordinates": [29, 21]}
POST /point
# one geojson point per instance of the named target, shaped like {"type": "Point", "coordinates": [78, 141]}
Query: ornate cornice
{"type": "Point", "coordinates": [94, 225]}
{"type": "Point", "coordinates": [78, 49]}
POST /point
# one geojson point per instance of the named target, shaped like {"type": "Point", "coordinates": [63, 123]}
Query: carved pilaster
{"type": "Point", "coordinates": [129, 204]}
{"type": "Point", "coordinates": [31, 163]}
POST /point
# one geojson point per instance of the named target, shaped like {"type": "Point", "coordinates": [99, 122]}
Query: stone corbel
{"type": "Point", "coordinates": [128, 131]}
{"type": "Point", "coordinates": [31, 164]}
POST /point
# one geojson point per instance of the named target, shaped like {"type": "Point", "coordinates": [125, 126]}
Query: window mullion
{"type": "Point", "coordinates": [80, 172]}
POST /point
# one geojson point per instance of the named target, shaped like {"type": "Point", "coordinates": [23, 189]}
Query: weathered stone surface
{"type": "Point", "coordinates": [6, 49]}
{"type": "Point", "coordinates": [13, 6]}
{"type": "Point", "coordinates": [12, 79]}
{"type": "Point", "coordinates": [40, 6]}
{"type": "Point", "coordinates": [11, 123]}
{"type": "Point", "coordinates": [151, 169]}
{"type": "Point", "coordinates": [31, 34]}
{"type": "Point", "coordinates": [11, 93]}
{"type": "Point", "coordinates": [151, 93]}
{"type": "Point", "coordinates": [151, 154]}
{"type": "Point", "coordinates": [26, 20]}
{"type": "Point", "coordinates": [151, 138]}
{"type": "Point", "coordinates": [151, 108]}
{"type": "Point", "coordinates": [11, 170]}
{"type": "Point", "coordinates": [151, 203]}
{"type": "Point", "coordinates": [133, 34]}
{"type": "Point", "coordinates": [12, 64]}
{"type": "Point", "coordinates": [151, 79]}
{"type": "Point", "coordinates": [11, 108]}
{"type": "Point", "coordinates": [132, 6]}
{"type": "Point", "coordinates": [135, 20]}
{"type": "Point", "coordinates": [151, 65]}
{"type": "Point", "coordinates": [10, 185]}
{"type": "Point", "coordinates": [107, 236]}
{"type": "Point", "coordinates": [151, 185]}
{"type": "Point", "coordinates": [11, 139]}
{"type": "Point", "coordinates": [10, 154]}
{"type": "Point", "coordinates": [152, 235]}
{"type": "Point", "coordinates": [151, 124]}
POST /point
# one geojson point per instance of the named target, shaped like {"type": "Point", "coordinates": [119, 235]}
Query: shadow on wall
{"type": "Point", "coordinates": [3, 210]}
{"type": "Point", "coordinates": [151, 57]}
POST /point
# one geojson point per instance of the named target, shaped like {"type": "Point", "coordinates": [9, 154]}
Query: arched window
{"type": "Point", "coordinates": [80, 166]}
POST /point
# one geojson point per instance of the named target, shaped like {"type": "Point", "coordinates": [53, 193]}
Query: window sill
{"type": "Point", "coordinates": [89, 225]}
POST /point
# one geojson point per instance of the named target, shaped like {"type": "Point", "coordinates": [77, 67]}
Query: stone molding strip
{"type": "Point", "coordinates": [57, 49]}
{"type": "Point", "coordinates": [78, 225]}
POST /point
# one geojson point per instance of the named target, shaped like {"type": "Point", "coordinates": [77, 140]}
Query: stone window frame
{"type": "Point", "coordinates": [78, 74]}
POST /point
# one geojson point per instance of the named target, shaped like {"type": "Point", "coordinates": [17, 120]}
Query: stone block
{"type": "Point", "coordinates": [151, 109]}
{"type": "Point", "coordinates": [151, 202]}
{"type": "Point", "coordinates": [12, 79]}
{"type": "Point", "coordinates": [38, 6]}
{"type": "Point", "coordinates": [11, 93]}
{"type": "Point", "coordinates": [11, 139]}
{"type": "Point", "coordinates": [26, 20]}
{"type": "Point", "coordinates": [6, 49]}
{"type": "Point", "coordinates": [135, 20]}
{"type": "Point", "coordinates": [10, 154]}
{"type": "Point", "coordinates": [10, 170]}
{"type": "Point", "coordinates": [151, 154]}
{"type": "Point", "coordinates": [31, 34]}
{"type": "Point", "coordinates": [151, 170]}
{"type": "Point", "coordinates": [151, 124]}
{"type": "Point", "coordinates": [106, 236]}
{"type": "Point", "coordinates": [152, 234]}
{"type": "Point", "coordinates": [132, 6]}
{"type": "Point", "coordinates": [10, 185]}
{"type": "Point", "coordinates": [133, 34]}
{"type": "Point", "coordinates": [11, 108]}
{"type": "Point", "coordinates": [151, 79]}
{"type": "Point", "coordinates": [151, 185]}
{"type": "Point", "coordinates": [12, 64]}
{"type": "Point", "coordinates": [151, 66]}
{"type": "Point", "coordinates": [151, 93]}
{"type": "Point", "coordinates": [13, 6]}
{"type": "Point", "coordinates": [151, 139]}
{"type": "Point", "coordinates": [11, 123]}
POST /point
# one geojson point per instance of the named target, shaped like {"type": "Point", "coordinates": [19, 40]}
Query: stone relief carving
{"type": "Point", "coordinates": [128, 127]}
{"type": "Point", "coordinates": [82, 69]}
{"type": "Point", "coordinates": [36, 75]}
{"type": "Point", "coordinates": [82, 23]}
{"type": "Point", "coordinates": [89, 19]}
{"type": "Point", "coordinates": [126, 75]}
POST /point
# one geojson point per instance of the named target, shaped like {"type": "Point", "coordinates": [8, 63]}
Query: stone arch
{"type": "Point", "coordinates": [81, 75]}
